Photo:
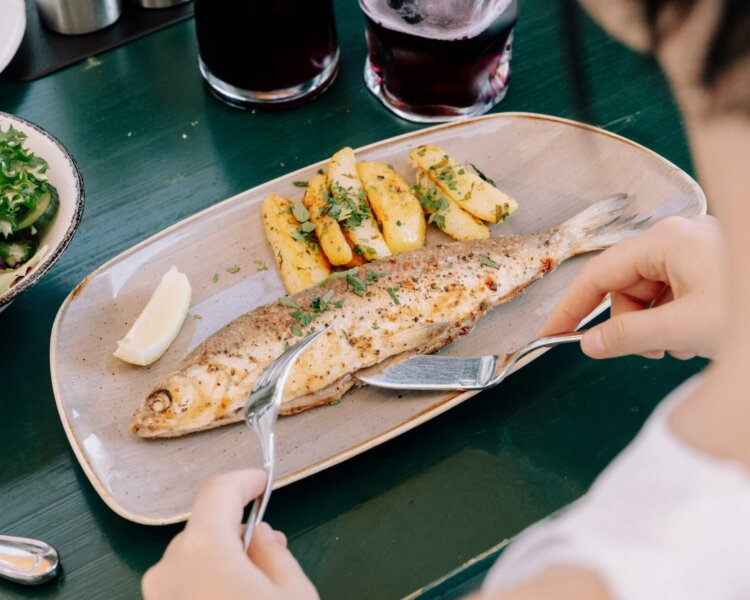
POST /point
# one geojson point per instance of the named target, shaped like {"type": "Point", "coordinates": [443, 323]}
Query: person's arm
{"type": "Point", "coordinates": [713, 418]}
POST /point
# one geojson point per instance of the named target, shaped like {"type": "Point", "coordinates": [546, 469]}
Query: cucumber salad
{"type": "Point", "coordinates": [28, 204]}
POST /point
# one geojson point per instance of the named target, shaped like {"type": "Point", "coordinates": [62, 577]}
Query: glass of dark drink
{"type": "Point", "coordinates": [266, 52]}
{"type": "Point", "coordinates": [439, 60]}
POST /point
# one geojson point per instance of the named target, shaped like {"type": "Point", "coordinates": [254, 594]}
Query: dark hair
{"type": "Point", "coordinates": [727, 64]}
{"type": "Point", "coordinates": [730, 43]}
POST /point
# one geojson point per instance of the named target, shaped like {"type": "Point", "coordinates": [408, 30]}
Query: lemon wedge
{"type": "Point", "coordinates": [159, 323]}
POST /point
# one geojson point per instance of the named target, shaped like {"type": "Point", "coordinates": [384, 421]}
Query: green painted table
{"type": "Point", "coordinates": [402, 515]}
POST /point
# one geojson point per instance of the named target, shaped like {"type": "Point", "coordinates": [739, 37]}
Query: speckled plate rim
{"type": "Point", "coordinates": [51, 258]}
{"type": "Point", "coordinates": [436, 409]}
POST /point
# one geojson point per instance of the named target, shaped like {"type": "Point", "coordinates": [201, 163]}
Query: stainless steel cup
{"type": "Point", "coordinates": [74, 17]}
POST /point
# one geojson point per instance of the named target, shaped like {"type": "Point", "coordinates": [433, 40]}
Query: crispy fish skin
{"type": "Point", "coordinates": [419, 302]}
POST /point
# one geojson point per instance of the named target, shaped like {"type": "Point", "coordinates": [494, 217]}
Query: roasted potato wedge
{"type": "Point", "coordinates": [446, 214]}
{"type": "Point", "coordinates": [329, 233]}
{"type": "Point", "coordinates": [301, 261]}
{"type": "Point", "coordinates": [462, 185]}
{"type": "Point", "coordinates": [346, 188]}
{"type": "Point", "coordinates": [396, 208]}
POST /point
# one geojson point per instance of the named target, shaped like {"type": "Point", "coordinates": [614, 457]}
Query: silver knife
{"type": "Point", "coordinates": [456, 373]}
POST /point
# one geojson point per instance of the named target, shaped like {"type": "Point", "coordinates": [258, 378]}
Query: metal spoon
{"type": "Point", "coordinates": [27, 561]}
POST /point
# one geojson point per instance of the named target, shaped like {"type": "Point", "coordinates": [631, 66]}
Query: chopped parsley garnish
{"type": "Point", "coordinates": [433, 202]}
{"type": "Point", "coordinates": [355, 284]}
{"type": "Point", "coordinates": [215, 278]}
{"type": "Point", "coordinates": [375, 325]}
{"type": "Point", "coordinates": [337, 275]}
{"type": "Point", "coordinates": [197, 316]}
{"type": "Point", "coordinates": [488, 262]}
{"type": "Point", "coordinates": [398, 223]}
{"type": "Point", "coordinates": [286, 301]}
{"type": "Point", "coordinates": [260, 265]}
{"type": "Point", "coordinates": [304, 318]}
{"type": "Point", "coordinates": [233, 269]}
{"type": "Point", "coordinates": [342, 206]}
{"type": "Point", "coordinates": [319, 304]}
{"type": "Point", "coordinates": [482, 175]}
{"type": "Point", "coordinates": [392, 293]}
{"type": "Point", "coordinates": [501, 212]}
{"type": "Point", "coordinates": [301, 183]}
{"type": "Point", "coordinates": [300, 212]}
{"type": "Point", "coordinates": [306, 231]}
{"type": "Point", "coordinates": [443, 171]}
{"type": "Point", "coordinates": [359, 286]}
{"type": "Point", "coordinates": [321, 172]}
{"type": "Point", "coordinates": [372, 277]}
{"type": "Point", "coordinates": [365, 251]}
{"type": "Point", "coordinates": [438, 219]}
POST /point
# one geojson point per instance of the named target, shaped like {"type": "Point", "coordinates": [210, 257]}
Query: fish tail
{"type": "Point", "coordinates": [604, 223]}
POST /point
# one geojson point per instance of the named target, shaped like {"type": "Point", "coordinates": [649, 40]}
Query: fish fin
{"type": "Point", "coordinates": [605, 223]}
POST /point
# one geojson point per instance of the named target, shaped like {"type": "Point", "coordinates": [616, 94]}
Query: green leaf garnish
{"type": "Point", "coordinates": [482, 176]}
{"type": "Point", "coordinates": [300, 212]}
{"type": "Point", "coordinates": [286, 301]}
{"type": "Point", "coordinates": [438, 219]}
{"type": "Point", "coordinates": [301, 183]}
{"type": "Point", "coordinates": [488, 262]}
{"type": "Point", "coordinates": [392, 293]}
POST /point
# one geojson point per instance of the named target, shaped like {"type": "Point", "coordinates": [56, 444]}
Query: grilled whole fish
{"type": "Point", "coordinates": [414, 302]}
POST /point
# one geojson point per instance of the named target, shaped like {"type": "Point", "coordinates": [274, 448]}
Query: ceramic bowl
{"type": "Point", "coordinates": [65, 175]}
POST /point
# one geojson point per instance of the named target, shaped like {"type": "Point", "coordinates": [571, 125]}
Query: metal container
{"type": "Point", "coordinates": [159, 3]}
{"type": "Point", "coordinates": [74, 17]}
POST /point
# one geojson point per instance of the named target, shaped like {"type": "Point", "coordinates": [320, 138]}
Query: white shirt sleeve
{"type": "Point", "coordinates": [663, 521]}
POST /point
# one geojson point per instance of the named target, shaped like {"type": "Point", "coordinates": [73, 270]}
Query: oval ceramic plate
{"type": "Point", "coordinates": [554, 168]}
{"type": "Point", "coordinates": [64, 174]}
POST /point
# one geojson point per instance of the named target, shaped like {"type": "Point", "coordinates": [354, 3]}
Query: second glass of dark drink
{"type": "Point", "coordinates": [266, 52]}
{"type": "Point", "coordinates": [439, 60]}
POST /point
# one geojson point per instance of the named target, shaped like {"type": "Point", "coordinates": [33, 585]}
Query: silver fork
{"type": "Point", "coordinates": [454, 372]}
{"type": "Point", "coordinates": [261, 410]}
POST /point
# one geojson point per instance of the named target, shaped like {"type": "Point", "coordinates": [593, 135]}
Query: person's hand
{"type": "Point", "coordinates": [206, 560]}
{"type": "Point", "coordinates": [667, 291]}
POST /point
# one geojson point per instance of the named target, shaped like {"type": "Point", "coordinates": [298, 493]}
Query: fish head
{"type": "Point", "coordinates": [163, 413]}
